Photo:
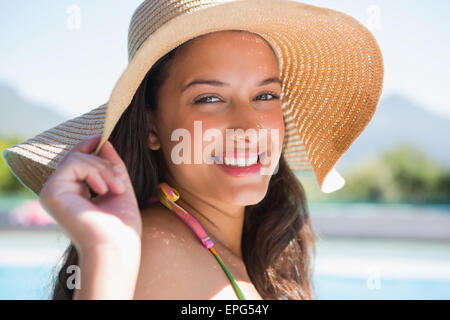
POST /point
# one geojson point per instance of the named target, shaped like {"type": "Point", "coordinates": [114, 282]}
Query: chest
{"type": "Point", "coordinates": [213, 274]}
{"type": "Point", "coordinates": [175, 265]}
{"type": "Point", "coordinates": [191, 272]}
{"type": "Point", "coordinates": [240, 275]}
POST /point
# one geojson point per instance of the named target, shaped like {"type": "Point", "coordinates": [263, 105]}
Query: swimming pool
{"type": "Point", "coordinates": [33, 283]}
{"type": "Point", "coordinates": [344, 268]}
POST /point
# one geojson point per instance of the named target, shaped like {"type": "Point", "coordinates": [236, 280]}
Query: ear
{"type": "Point", "coordinates": [153, 138]}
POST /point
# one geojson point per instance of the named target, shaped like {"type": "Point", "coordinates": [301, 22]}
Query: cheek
{"type": "Point", "coordinates": [273, 122]}
{"type": "Point", "coordinates": [277, 120]}
{"type": "Point", "coordinates": [181, 155]}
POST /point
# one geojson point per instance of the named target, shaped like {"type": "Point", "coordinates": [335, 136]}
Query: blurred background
{"type": "Point", "coordinates": [384, 235]}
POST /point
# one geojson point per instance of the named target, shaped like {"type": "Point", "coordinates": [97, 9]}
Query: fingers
{"type": "Point", "coordinates": [88, 145]}
{"type": "Point", "coordinates": [85, 146]}
{"type": "Point", "coordinates": [109, 153]}
{"type": "Point", "coordinates": [96, 172]}
{"type": "Point", "coordinates": [103, 173]}
{"type": "Point", "coordinates": [106, 177]}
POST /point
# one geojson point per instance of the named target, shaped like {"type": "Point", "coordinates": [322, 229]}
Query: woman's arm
{"type": "Point", "coordinates": [108, 272]}
{"type": "Point", "coordinates": [106, 229]}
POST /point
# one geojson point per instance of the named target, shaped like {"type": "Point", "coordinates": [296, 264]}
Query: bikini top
{"type": "Point", "coordinates": [167, 196]}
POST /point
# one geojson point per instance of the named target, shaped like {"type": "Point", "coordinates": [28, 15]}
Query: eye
{"type": "Point", "coordinates": [203, 99]}
{"type": "Point", "coordinates": [275, 97]}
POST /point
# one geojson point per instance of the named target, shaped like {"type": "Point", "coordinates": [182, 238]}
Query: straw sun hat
{"type": "Point", "coordinates": [331, 69]}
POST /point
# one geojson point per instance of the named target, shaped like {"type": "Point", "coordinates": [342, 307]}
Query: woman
{"type": "Point", "coordinates": [130, 247]}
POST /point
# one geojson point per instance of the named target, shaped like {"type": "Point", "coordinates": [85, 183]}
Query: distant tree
{"type": "Point", "coordinates": [414, 173]}
{"type": "Point", "coordinates": [402, 174]}
{"type": "Point", "coordinates": [8, 182]}
{"type": "Point", "coordinates": [371, 181]}
{"type": "Point", "coordinates": [441, 190]}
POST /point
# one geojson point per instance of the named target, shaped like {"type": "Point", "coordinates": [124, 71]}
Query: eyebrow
{"type": "Point", "coordinates": [213, 82]}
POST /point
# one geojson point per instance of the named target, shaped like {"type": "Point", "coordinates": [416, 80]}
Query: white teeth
{"type": "Point", "coordinates": [252, 160]}
{"type": "Point", "coordinates": [239, 162]}
{"type": "Point", "coordinates": [229, 161]}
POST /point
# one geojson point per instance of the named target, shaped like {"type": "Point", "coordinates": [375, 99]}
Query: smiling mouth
{"type": "Point", "coordinates": [242, 160]}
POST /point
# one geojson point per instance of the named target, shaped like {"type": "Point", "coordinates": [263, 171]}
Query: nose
{"type": "Point", "coordinates": [240, 135]}
{"type": "Point", "coordinates": [244, 125]}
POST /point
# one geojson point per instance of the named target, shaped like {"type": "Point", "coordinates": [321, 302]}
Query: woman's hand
{"type": "Point", "coordinates": [111, 219]}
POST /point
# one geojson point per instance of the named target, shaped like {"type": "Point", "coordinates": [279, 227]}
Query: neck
{"type": "Point", "coordinates": [221, 221]}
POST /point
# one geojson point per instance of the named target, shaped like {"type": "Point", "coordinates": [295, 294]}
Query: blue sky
{"type": "Point", "coordinates": [75, 70]}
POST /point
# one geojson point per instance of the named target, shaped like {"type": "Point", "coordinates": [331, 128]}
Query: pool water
{"type": "Point", "coordinates": [34, 283]}
{"type": "Point", "coordinates": [345, 268]}
{"type": "Point", "coordinates": [334, 288]}
{"type": "Point", "coordinates": [24, 282]}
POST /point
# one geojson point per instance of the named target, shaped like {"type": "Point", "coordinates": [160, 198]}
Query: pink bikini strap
{"type": "Point", "coordinates": [167, 196]}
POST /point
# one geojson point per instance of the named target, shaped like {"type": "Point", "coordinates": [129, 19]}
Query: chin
{"type": "Point", "coordinates": [246, 195]}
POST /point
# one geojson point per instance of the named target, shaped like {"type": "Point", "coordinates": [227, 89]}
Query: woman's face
{"type": "Point", "coordinates": [241, 61]}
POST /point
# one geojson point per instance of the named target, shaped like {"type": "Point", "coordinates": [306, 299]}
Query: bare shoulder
{"type": "Point", "coordinates": [163, 231]}
{"type": "Point", "coordinates": [168, 250]}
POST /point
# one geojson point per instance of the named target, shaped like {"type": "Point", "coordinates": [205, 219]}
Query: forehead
{"type": "Point", "coordinates": [225, 51]}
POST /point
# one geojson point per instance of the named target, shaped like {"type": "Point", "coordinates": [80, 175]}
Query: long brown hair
{"type": "Point", "coordinates": [278, 241]}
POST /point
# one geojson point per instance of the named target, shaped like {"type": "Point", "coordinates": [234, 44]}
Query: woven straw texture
{"type": "Point", "coordinates": [331, 69]}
